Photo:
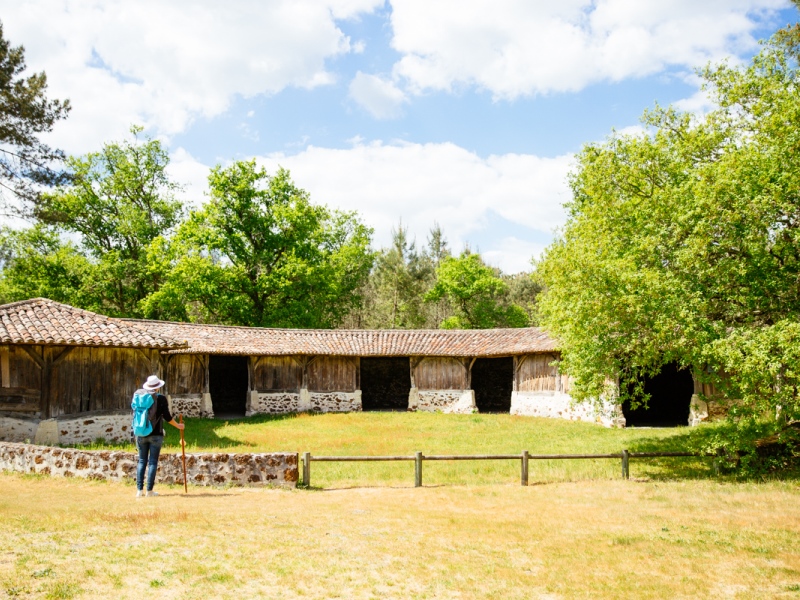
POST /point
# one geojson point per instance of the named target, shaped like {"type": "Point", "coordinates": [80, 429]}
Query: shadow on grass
{"type": "Point", "coordinates": [694, 439]}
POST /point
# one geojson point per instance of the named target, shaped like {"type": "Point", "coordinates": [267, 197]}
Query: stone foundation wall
{"type": "Point", "coordinates": [18, 429]}
{"type": "Point", "coordinates": [558, 405]}
{"type": "Point", "coordinates": [446, 401]}
{"type": "Point", "coordinates": [202, 469]}
{"type": "Point", "coordinates": [273, 403]}
{"type": "Point", "coordinates": [706, 410]}
{"type": "Point", "coordinates": [191, 405]}
{"type": "Point", "coordinates": [335, 401]}
{"type": "Point", "coordinates": [86, 428]}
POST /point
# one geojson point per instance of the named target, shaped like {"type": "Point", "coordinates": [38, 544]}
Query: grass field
{"type": "Point", "coordinates": [579, 531]}
{"type": "Point", "coordinates": [405, 433]}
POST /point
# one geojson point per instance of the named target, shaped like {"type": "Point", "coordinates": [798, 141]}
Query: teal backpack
{"type": "Point", "coordinates": [144, 413]}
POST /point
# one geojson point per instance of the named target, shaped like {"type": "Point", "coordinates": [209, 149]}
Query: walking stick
{"type": "Point", "coordinates": [183, 452]}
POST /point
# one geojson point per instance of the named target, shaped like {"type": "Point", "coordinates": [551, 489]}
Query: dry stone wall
{"type": "Point", "coordinates": [558, 405]}
{"type": "Point", "coordinates": [273, 403]}
{"type": "Point", "coordinates": [279, 469]}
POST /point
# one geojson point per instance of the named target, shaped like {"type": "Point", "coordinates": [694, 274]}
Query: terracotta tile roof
{"type": "Point", "coordinates": [222, 339]}
{"type": "Point", "coordinates": [43, 321]}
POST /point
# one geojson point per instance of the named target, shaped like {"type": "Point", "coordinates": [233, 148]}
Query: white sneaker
{"type": "Point", "coordinates": [139, 493]}
{"type": "Point", "coordinates": [152, 493]}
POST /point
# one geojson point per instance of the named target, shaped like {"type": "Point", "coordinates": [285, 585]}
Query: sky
{"type": "Point", "coordinates": [461, 113]}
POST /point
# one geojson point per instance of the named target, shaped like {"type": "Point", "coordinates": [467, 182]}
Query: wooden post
{"type": "Point", "coordinates": [183, 455]}
{"type": "Point", "coordinates": [625, 469]}
{"type": "Point", "coordinates": [418, 469]}
{"type": "Point", "coordinates": [307, 469]}
{"type": "Point", "coordinates": [524, 467]}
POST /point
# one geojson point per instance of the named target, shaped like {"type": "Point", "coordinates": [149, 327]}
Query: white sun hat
{"type": "Point", "coordinates": [152, 383]}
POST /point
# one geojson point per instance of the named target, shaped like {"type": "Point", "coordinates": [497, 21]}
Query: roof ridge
{"type": "Point", "coordinates": [318, 330]}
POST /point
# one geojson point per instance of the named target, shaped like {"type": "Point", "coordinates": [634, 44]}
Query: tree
{"type": "Point", "coordinates": [36, 263]}
{"type": "Point", "coordinates": [260, 254]}
{"type": "Point", "coordinates": [395, 288]}
{"type": "Point", "coordinates": [26, 163]}
{"type": "Point", "coordinates": [476, 293]}
{"type": "Point", "coordinates": [119, 202]}
{"type": "Point", "coordinates": [683, 245]}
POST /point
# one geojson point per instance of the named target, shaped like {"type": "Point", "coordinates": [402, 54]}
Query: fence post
{"type": "Point", "coordinates": [626, 473]}
{"type": "Point", "coordinates": [524, 467]}
{"type": "Point", "coordinates": [307, 469]}
{"type": "Point", "coordinates": [418, 469]}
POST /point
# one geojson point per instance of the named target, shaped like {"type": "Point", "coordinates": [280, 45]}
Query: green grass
{"type": "Point", "coordinates": [431, 433]}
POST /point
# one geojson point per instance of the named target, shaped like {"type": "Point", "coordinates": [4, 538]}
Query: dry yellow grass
{"type": "Point", "coordinates": [593, 539]}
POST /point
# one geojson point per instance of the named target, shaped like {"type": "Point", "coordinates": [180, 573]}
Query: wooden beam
{"type": "Point", "coordinates": [14, 407]}
{"type": "Point", "coordinates": [5, 371]}
{"type": "Point", "coordinates": [252, 363]}
{"type": "Point", "coordinates": [19, 391]}
{"type": "Point", "coordinates": [62, 355]}
{"type": "Point", "coordinates": [205, 361]}
{"type": "Point", "coordinates": [32, 353]}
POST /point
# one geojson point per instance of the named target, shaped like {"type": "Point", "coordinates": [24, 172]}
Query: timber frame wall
{"type": "Point", "coordinates": [50, 381]}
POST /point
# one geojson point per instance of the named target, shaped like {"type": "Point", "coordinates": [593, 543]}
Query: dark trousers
{"type": "Point", "coordinates": [149, 449]}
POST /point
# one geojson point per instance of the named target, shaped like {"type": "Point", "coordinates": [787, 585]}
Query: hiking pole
{"type": "Point", "coordinates": [183, 452]}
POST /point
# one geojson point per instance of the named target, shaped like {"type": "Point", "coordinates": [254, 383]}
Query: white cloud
{"type": "Point", "coordinates": [520, 47]}
{"type": "Point", "coordinates": [380, 97]}
{"type": "Point", "coordinates": [427, 183]}
{"type": "Point", "coordinates": [423, 184]}
{"type": "Point", "coordinates": [191, 175]}
{"type": "Point", "coordinates": [164, 64]}
{"type": "Point", "coordinates": [513, 255]}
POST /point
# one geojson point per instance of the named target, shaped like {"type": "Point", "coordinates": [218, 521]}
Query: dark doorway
{"type": "Point", "coordinates": [493, 382]}
{"type": "Point", "coordinates": [227, 382]}
{"type": "Point", "coordinates": [385, 383]}
{"type": "Point", "coordinates": [670, 396]}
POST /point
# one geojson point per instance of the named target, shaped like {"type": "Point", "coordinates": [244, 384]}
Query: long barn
{"type": "Point", "coordinates": [67, 375]}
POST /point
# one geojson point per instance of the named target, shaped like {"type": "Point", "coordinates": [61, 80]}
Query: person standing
{"type": "Point", "coordinates": [150, 445]}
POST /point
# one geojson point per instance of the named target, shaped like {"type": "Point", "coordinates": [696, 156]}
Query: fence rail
{"type": "Point", "coordinates": [524, 457]}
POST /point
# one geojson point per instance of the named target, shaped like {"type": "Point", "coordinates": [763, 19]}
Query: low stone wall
{"type": "Point", "coordinates": [558, 405]}
{"type": "Point", "coordinates": [191, 405]}
{"type": "Point", "coordinates": [446, 401]}
{"type": "Point", "coordinates": [335, 401]}
{"type": "Point", "coordinates": [273, 403]}
{"type": "Point", "coordinates": [278, 468]}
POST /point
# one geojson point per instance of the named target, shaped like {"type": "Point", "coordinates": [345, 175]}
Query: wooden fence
{"type": "Point", "coordinates": [524, 458]}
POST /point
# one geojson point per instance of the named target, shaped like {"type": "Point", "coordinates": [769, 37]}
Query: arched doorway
{"type": "Point", "coordinates": [670, 397]}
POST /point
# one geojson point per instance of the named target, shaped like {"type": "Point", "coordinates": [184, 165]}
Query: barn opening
{"type": "Point", "coordinates": [493, 381]}
{"type": "Point", "coordinates": [385, 383]}
{"type": "Point", "coordinates": [227, 383]}
{"type": "Point", "coordinates": [670, 397]}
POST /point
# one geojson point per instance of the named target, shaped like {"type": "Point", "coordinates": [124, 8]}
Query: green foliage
{"type": "Point", "coordinates": [400, 277]}
{"type": "Point", "coordinates": [683, 244]}
{"type": "Point", "coordinates": [25, 112]}
{"type": "Point", "coordinates": [36, 263]}
{"type": "Point", "coordinates": [119, 203]}
{"type": "Point", "coordinates": [260, 254]}
{"type": "Point", "coordinates": [477, 294]}
{"type": "Point", "coordinates": [394, 292]}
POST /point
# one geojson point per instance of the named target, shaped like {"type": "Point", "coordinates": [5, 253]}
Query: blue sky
{"type": "Point", "coordinates": [456, 112]}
